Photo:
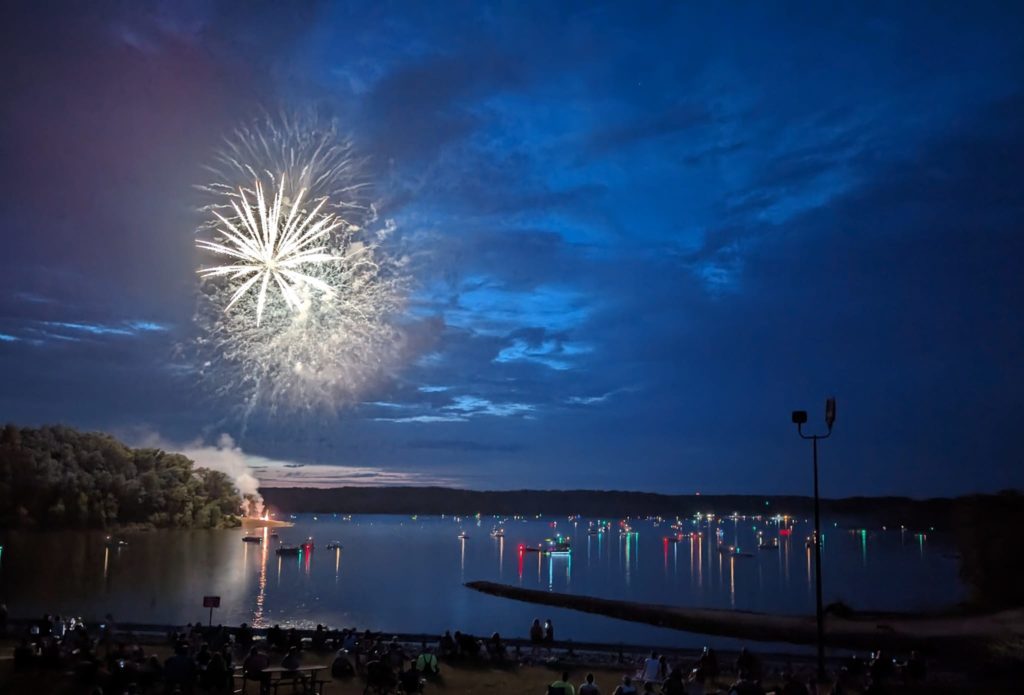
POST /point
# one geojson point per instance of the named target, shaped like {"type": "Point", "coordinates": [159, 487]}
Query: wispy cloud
{"type": "Point", "coordinates": [550, 353]}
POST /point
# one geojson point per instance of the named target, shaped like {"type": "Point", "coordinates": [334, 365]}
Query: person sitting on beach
{"type": "Point", "coordinates": [562, 686]}
{"type": "Point", "coordinates": [215, 677]}
{"type": "Point", "coordinates": [255, 662]}
{"type": "Point", "coordinates": [24, 655]}
{"type": "Point", "coordinates": [880, 667]}
{"type": "Point", "coordinates": [203, 656]}
{"type": "Point", "coordinates": [395, 654]}
{"type": "Point", "coordinates": [651, 671]}
{"type": "Point", "coordinates": [341, 667]}
{"type": "Point", "coordinates": [791, 686]}
{"type": "Point", "coordinates": [292, 660]}
{"type": "Point", "coordinates": [426, 662]}
{"type": "Point", "coordinates": [747, 663]}
{"type": "Point", "coordinates": [549, 632]}
{"type": "Point", "coordinates": [409, 680]}
{"type": "Point", "coordinates": [379, 675]}
{"type": "Point", "coordinates": [588, 687]}
{"type": "Point", "coordinates": [536, 632]}
{"type": "Point", "coordinates": [626, 687]}
{"type": "Point", "coordinates": [915, 670]}
{"type": "Point", "coordinates": [745, 685]}
{"type": "Point", "coordinates": [674, 684]}
{"type": "Point", "coordinates": [695, 683]}
{"type": "Point", "coordinates": [180, 669]}
{"type": "Point", "coordinates": [708, 664]}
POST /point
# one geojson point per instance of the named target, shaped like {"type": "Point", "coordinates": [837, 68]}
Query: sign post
{"type": "Point", "coordinates": [211, 602]}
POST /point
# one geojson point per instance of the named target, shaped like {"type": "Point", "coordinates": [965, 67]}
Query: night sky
{"type": "Point", "coordinates": [642, 234]}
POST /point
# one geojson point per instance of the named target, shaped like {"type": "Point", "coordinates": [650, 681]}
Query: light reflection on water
{"type": "Point", "coordinates": [407, 575]}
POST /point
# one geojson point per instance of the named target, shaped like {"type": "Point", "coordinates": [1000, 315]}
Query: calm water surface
{"type": "Point", "coordinates": [401, 574]}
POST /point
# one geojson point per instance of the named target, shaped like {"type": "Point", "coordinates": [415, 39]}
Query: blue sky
{"type": "Point", "coordinates": [642, 233]}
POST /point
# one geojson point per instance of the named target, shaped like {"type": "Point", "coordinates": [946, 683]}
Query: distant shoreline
{"type": "Point", "coordinates": [927, 514]}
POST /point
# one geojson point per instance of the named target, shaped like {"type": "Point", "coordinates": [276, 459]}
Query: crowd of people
{"type": "Point", "coordinates": [658, 675]}
{"type": "Point", "coordinates": [209, 658]}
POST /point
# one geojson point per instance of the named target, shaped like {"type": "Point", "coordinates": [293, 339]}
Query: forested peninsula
{"type": "Point", "coordinates": [59, 477]}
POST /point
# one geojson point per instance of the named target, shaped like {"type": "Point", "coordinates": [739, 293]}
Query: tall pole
{"type": "Point", "coordinates": [819, 611]}
{"type": "Point", "coordinates": [799, 419]}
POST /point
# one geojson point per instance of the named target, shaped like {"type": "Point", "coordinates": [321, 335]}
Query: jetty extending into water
{"type": "Point", "coordinates": [954, 632]}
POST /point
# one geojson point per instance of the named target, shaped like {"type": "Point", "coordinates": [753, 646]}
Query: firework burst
{"type": "Point", "coordinates": [297, 311]}
{"type": "Point", "coordinates": [266, 245]}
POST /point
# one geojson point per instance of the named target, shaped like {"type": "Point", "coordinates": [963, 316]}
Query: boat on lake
{"type": "Point", "coordinates": [463, 535]}
{"type": "Point", "coordinates": [115, 542]}
{"type": "Point", "coordinates": [498, 533]}
{"type": "Point", "coordinates": [334, 545]}
{"type": "Point", "coordinates": [288, 550]}
{"type": "Point", "coordinates": [252, 539]}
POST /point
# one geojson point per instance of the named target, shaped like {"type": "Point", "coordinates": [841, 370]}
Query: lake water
{"type": "Point", "coordinates": [405, 575]}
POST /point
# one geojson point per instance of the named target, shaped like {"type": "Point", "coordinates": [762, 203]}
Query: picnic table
{"type": "Point", "coordinates": [304, 678]}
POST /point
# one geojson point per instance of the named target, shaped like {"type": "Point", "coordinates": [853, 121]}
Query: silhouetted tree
{"type": "Point", "coordinates": [56, 476]}
{"type": "Point", "coordinates": [992, 548]}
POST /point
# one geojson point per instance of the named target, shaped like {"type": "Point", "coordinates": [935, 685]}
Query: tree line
{"type": "Point", "coordinates": [58, 477]}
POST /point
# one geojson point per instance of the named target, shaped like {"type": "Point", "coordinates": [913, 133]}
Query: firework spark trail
{"type": "Point", "coordinates": [299, 313]}
{"type": "Point", "coordinates": [313, 157]}
{"type": "Point", "coordinates": [268, 246]}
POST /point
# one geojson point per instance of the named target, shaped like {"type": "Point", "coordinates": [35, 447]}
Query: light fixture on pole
{"type": "Point", "coordinates": [800, 419]}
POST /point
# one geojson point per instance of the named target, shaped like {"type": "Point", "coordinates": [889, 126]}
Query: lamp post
{"type": "Point", "coordinates": [800, 419]}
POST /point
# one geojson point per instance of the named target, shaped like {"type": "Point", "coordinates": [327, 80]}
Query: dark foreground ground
{"type": "Point", "coordinates": [525, 673]}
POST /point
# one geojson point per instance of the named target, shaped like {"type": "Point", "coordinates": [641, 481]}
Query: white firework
{"type": "Point", "coordinates": [300, 310]}
{"type": "Point", "coordinates": [266, 245]}
{"type": "Point", "coordinates": [311, 155]}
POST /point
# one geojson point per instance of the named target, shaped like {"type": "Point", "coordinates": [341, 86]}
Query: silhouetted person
{"type": "Point", "coordinates": [588, 687]}
{"type": "Point", "coordinates": [448, 646]}
{"type": "Point", "coordinates": [426, 663]}
{"type": "Point", "coordinates": [626, 687]}
{"type": "Point", "coordinates": [180, 670]}
{"type": "Point", "coordinates": [215, 677]}
{"type": "Point", "coordinates": [496, 648]}
{"type": "Point", "coordinates": [708, 664]}
{"type": "Point", "coordinates": [409, 679]}
{"type": "Point", "coordinates": [341, 667]}
{"type": "Point", "coordinates": [252, 668]}
{"type": "Point", "coordinates": [292, 660]}
{"type": "Point", "coordinates": [651, 669]}
{"type": "Point", "coordinates": [549, 632]}
{"type": "Point", "coordinates": [674, 684]}
{"type": "Point", "coordinates": [562, 686]}
{"type": "Point", "coordinates": [745, 661]}
{"type": "Point", "coordinates": [244, 636]}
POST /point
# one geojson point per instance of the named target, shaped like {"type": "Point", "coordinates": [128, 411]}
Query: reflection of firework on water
{"type": "Point", "coordinates": [298, 295]}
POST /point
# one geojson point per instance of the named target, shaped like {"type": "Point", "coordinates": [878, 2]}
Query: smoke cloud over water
{"type": "Point", "coordinates": [224, 456]}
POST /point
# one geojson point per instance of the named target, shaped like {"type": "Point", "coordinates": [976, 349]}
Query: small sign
{"type": "Point", "coordinates": [211, 601]}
